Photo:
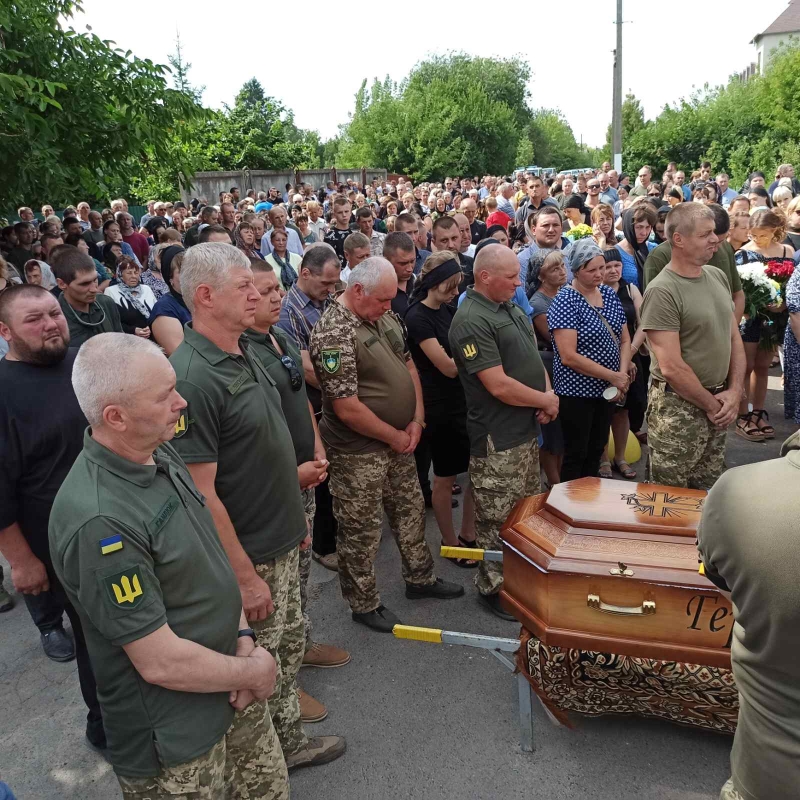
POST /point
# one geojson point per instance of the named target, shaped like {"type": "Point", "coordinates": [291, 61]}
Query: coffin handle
{"type": "Point", "coordinates": [647, 607]}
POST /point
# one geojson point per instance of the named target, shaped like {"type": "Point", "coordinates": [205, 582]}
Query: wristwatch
{"type": "Point", "coordinates": [247, 632]}
{"type": "Point", "coordinates": [420, 422]}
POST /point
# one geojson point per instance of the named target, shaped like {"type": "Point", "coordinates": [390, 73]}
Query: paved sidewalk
{"type": "Point", "coordinates": [422, 721]}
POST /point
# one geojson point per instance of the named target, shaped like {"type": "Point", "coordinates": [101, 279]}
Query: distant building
{"type": "Point", "coordinates": [782, 29]}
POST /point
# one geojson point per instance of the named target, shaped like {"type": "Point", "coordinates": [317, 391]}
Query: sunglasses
{"type": "Point", "coordinates": [295, 376]}
{"type": "Point", "coordinates": [593, 186]}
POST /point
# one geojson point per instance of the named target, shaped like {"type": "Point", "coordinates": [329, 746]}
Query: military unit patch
{"type": "Point", "coordinates": [182, 424]}
{"type": "Point", "coordinates": [470, 351]}
{"type": "Point", "coordinates": [331, 360]}
{"type": "Point", "coordinates": [125, 588]}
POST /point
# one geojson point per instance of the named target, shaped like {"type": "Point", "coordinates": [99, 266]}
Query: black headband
{"type": "Point", "coordinates": [440, 274]}
{"type": "Point", "coordinates": [433, 278]}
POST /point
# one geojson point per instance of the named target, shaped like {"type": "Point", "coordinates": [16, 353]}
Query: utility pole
{"type": "Point", "coordinates": [616, 119]}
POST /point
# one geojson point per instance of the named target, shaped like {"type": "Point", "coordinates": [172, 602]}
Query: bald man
{"type": "Point", "coordinates": [508, 395]}
{"type": "Point", "coordinates": [469, 208]}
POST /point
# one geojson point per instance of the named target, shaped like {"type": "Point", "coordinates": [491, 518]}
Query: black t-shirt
{"type": "Point", "coordinates": [478, 229]}
{"type": "Point", "coordinates": [335, 238]}
{"type": "Point", "coordinates": [41, 435]}
{"type": "Point", "coordinates": [427, 323]}
{"type": "Point", "coordinates": [400, 300]}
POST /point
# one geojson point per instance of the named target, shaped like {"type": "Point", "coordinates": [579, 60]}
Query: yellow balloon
{"type": "Point", "coordinates": [633, 450]}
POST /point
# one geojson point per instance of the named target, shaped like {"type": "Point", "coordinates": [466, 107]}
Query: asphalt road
{"type": "Point", "coordinates": [422, 721]}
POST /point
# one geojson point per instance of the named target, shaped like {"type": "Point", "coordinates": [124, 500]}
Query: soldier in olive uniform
{"type": "Point", "coordinates": [278, 353]}
{"type": "Point", "coordinates": [508, 391]}
{"type": "Point", "coordinates": [372, 419]}
{"type": "Point", "coordinates": [698, 362]}
{"type": "Point", "coordinates": [137, 552]}
{"type": "Point", "coordinates": [239, 450]}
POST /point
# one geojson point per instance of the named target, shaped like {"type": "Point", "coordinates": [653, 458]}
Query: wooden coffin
{"type": "Point", "coordinates": [613, 567]}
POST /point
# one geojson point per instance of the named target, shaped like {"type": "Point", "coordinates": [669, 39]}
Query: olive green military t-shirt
{"type": "Point", "coordinates": [135, 549]}
{"type": "Point", "coordinates": [748, 541]}
{"type": "Point", "coordinates": [102, 317]}
{"type": "Point", "coordinates": [352, 357]}
{"type": "Point", "coordinates": [234, 418]}
{"type": "Point", "coordinates": [294, 400]}
{"type": "Point", "coordinates": [723, 259]}
{"type": "Point", "coordinates": [700, 309]}
{"type": "Point", "coordinates": [485, 334]}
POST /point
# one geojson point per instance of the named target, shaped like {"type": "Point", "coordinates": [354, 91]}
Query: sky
{"type": "Point", "coordinates": [669, 48]}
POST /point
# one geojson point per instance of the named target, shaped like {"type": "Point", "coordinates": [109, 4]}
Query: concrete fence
{"type": "Point", "coordinates": [208, 185]}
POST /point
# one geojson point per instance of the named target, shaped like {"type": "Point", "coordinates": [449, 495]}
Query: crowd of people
{"type": "Point", "coordinates": [160, 374]}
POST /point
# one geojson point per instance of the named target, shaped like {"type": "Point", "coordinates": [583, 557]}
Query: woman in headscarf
{"type": "Point", "coordinates": [285, 264]}
{"type": "Point", "coordinates": [39, 273]}
{"type": "Point", "coordinates": [428, 320]}
{"type": "Point", "coordinates": [170, 312]}
{"type": "Point", "coordinates": [637, 224]}
{"type": "Point", "coordinates": [245, 237]}
{"type": "Point", "coordinates": [134, 299]}
{"type": "Point", "coordinates": [152, 276]}
{"type": "Point", "coordinates": [591, 358]}
{"type": "Point", "coordinates": [576, 213]}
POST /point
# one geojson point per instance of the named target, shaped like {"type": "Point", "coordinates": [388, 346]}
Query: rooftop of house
{"type": "Point", "coordinates": [787, 22]}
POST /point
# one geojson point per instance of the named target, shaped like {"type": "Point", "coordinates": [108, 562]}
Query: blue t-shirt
{"type": "Point", "coordinates": [262, 205]}
{"type": "Point", "coordinates": [570, 309]}
{"type": "Point", "coordinates": [629, 272]}
{"type": "Point", "coordinates": [168, 306]}
{"type": "Point", "coordinates": [518, 298]}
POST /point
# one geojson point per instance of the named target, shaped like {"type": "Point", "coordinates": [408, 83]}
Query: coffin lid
{"type": "Point", "coordinates": [595, 526]}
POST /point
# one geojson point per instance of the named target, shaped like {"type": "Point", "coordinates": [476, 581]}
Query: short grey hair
{"type": "Point", "coordinates": [369, 273]}
{"type": "Point", "coordinates": [209, 263]}
{"type": "Point", "coordinates": [101, 374]}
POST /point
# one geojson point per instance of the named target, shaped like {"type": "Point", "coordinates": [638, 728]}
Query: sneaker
{"type": "Point", "coordinates": [326, 656]}
{"type": "Point", "coordinates": [319, 750]}
{"type": "Point", "coordinates": [442, 590]}
{"type": "Point", "coordinates": [311, 710]}
{"type": "Point", "coordinates": [330, 561]}
{"type": "Point", "coordinates": [381, 619]}
{"type": "Point", "coordinates": [57, 645]}
{"type": "Point", "coordinates": [6, 600]}
{"type": "Point", "coordinates": [492, 602]}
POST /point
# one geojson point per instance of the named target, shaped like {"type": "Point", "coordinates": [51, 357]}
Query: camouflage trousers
{"type": "Point", "coordinates": [499, 482]}
{"type": "Point", "coordinates": [283, 634]}
{"type": "Point", "coordinates": [729, 791]}
{"type": "Point", "coordinates": [686, 449]}
{"type": "Point", "coordinates": [363, 486]}
{"type": "Point", "coordinates": [304, 565]}
{"type": "Point", "coordinates": [246, 764]}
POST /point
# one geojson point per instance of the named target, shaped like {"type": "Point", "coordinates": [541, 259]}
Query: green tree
{"type": "Point", "coordinates": [75, 111]}
{"type": "Point", "coordinates": [553, 141]}
{"type": "Point", "coordinates": [632, 123]}
{"type": "Point", "coordinates": [180, 72]}
{"type": "Point", "coordinates": [452, 114]}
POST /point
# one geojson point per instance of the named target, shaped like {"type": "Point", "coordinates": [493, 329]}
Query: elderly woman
{"type": "Point", "coordinates": [631, 414]}
{"type": "Point", "coordinates": [170, 312]}
{"type": "Point", "coordinates": [245, 237]}
{"type": "Point", "coordinates": [135, 299]}
{"type": "Point", "coordinates": [285, 263]}
{"type": "Point", "coordinates": [551, 274]}
{"type": "Point", "coordinates": [591, 355]}
{"type": "Point", "coordinates": [152, 276]}
{"type": "Point", "coordinates": [603, 226]}
{"type": "Point", "coordinates": [428, 320]}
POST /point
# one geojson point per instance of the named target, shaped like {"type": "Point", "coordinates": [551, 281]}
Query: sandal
{"type": "Point", "coordinates": [759, 414]}
{"type": "Point", "coordinates": [747, 429]}
{"type": "Point", "coordinates": [464, 563]}
{"type": "Point", "coordinates": [605, 470]}
{"type": "Point", "coordinates": [625, 469]}
{"type": "Point", "coordinates": [457, 488]}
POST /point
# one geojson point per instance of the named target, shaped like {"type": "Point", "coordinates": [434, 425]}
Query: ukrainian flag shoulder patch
{"type": "Point", "coordinates": [111, 544]}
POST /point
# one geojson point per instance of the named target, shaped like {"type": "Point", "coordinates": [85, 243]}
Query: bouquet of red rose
{"type": "Point", "coordinates": [780, 273]}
